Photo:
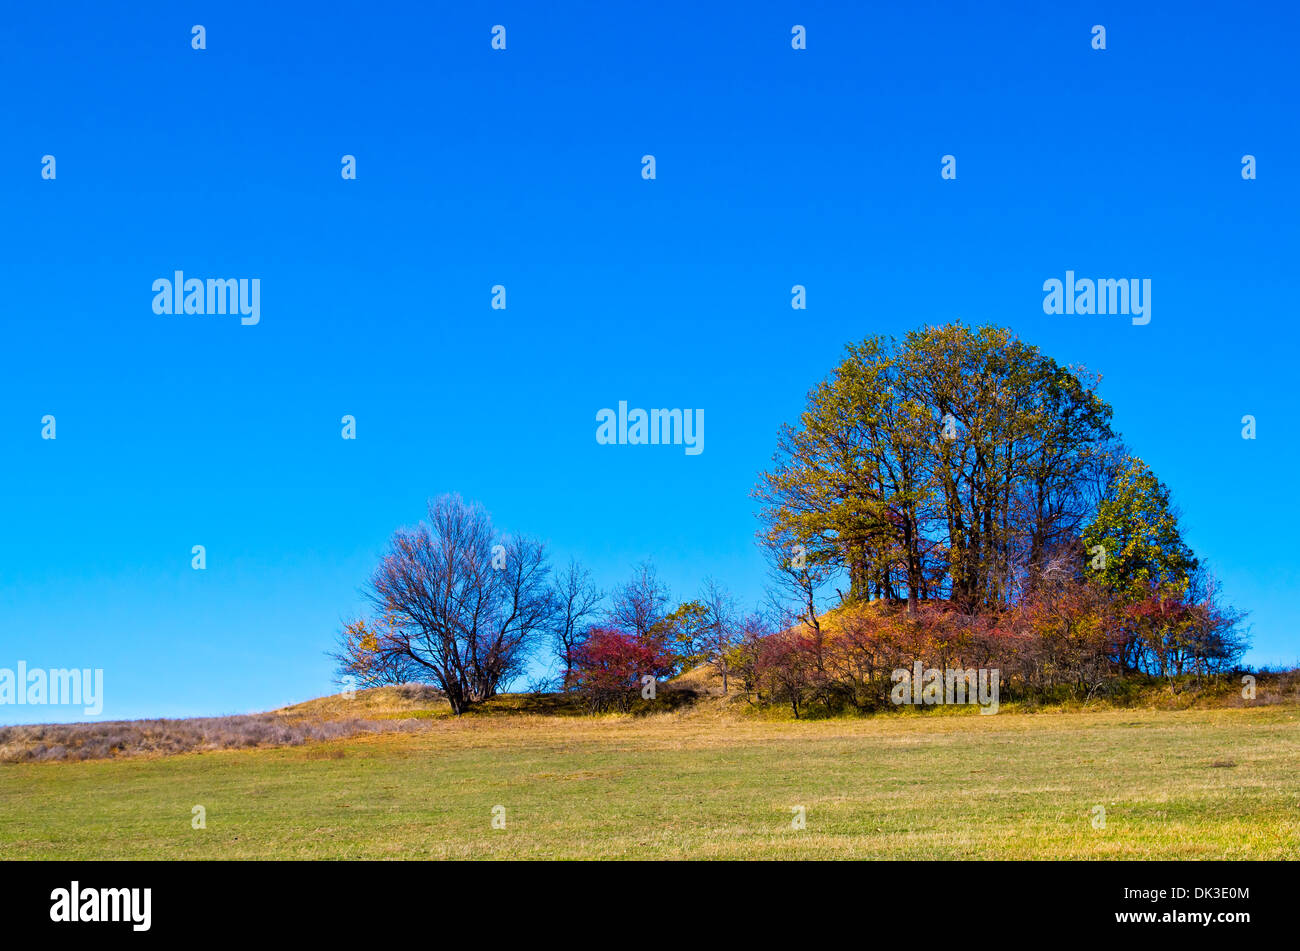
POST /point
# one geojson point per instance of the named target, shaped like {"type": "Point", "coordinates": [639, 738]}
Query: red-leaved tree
{"type": "Point", "coordinates": [610, 663]}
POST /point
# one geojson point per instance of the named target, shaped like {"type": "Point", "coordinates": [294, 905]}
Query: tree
{"type": "Point", "coordinates": [721, 627]}
{"type": "Point", "coordinates": [785, 668]}
{"type": "Point", "coordinates": [366, 656]}
{"type": "Point", "coordinates": [796, 580]}
{"type": "Point", "coordinates": [641, 603]}
{"type": "Point", "coordinates": [1135, 548]}
{"type": "Point", "coordinates": [576, 601]}
{"type": "Point", "coordinates": [1069, 626]}
{"type": "Point", "coordinates": [743, 658]}
{"type": "Point", "coordinates": [844, 492]}
{"type": "Point", "coordinates": [1013, 436]}
{"type": "Point", "coordinates": [684, 631]}
{"type": "Point", "coordinates": [1135, 540]}
{"type": "Point", "coordinates": [466, 603]}
{"type": "Point", "coordinates": [964, 474]}
{"type": "Point", "coordinates": [610, 663]}
{"type": "Point", "coordinates": [1217, 640]}
{"type": "Point", "coordinates": [954, 465]}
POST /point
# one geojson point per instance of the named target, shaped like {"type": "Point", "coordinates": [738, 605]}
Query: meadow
{"type": "Point", "coordinates": [694, 783]}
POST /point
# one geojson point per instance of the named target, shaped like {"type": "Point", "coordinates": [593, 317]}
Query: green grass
{"type": "Point", "coordinates": [1175, 784]}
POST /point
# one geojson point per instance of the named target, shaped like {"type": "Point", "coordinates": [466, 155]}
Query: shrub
{"type": "Point", "coordinates": [609, 665]}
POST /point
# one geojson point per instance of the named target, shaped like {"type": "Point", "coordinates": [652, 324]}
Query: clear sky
{"type": "Point", "coordinates": [522, 167]}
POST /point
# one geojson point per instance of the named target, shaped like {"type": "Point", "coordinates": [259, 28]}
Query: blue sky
{"type": "Point", "coordinates": [478, 167]}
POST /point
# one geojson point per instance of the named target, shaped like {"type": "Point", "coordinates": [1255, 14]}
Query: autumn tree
{"type": "Point", "coordinates": [684, 630]}
{"type": "Point", "coordinates": [1217, 638]}
{"type": "Point", "coordinates": [1174, 621]}
{"type": "Point", "coordinates": [846, 489]}
{"type": "Point", "coordinates": [467, 603]}
{"type": "Point", "coordinates": [366, 654]}
{"type": "Point", "coordinates": [1135, 543]}
{"type": "Point", "coordinates": [1014, 440]}
{"type": "Point", "coordinates": [785, 669]}
{"type": "Point", "coordinates": [952, 464]}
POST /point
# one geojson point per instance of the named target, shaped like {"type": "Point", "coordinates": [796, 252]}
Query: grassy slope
{"type": "Point", "coordinates": [696, 784]}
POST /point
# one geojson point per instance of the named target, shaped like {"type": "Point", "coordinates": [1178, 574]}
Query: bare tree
{"type": "Point", "coordinates": [1217, 637]}
{"type": "Point", "coordinates": [797, 579]}
{"type": "Point", "coordinates": [576, 602]}
{"type": "Point", "coordinates": [641, 603]}
{"type": "Point", "coordinates": [465, 603]}
{"type": "Point", "coordinates": [722, 626]}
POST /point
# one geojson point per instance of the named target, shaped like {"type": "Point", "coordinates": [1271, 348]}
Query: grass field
{"type": "Point", "coordinates": [1188, 784]}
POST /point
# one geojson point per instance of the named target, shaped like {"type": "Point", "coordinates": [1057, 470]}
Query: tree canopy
{"type": "Point", "coordinates": [957, 464]}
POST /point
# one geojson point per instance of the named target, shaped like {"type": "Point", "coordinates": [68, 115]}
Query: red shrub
{"type": "Point", "coordinates": [610, 663]}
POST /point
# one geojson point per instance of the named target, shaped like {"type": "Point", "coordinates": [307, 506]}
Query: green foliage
{"type": "Point", "coordinates": [954, 464]}
{"type": "Point", "coordinates": [1136, 527]}
{"type": "Point", "coordinates": [685, 631]}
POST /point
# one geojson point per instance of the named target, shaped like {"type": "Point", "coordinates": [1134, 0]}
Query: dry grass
{"type": "Point", "coordinates": [81, 741]}
{"type": "Point", "coordinates": [375, 703]}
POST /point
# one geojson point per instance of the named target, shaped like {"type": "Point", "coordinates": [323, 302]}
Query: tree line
{"type": "Point", "coordinates": [459, 605]}
{"type": "Point", "coordinates": [967, 498]}
{"type": "Point", "coordinates": [954, 496]}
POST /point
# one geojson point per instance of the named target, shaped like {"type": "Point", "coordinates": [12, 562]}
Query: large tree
{"type": "Point", "coordinates": [463, 604]}
{"type": "Point", "coordinates": [955, 463]}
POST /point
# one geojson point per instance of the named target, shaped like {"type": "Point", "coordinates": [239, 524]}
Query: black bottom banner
{"type": "Point", "coordinates": [340, 900]}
